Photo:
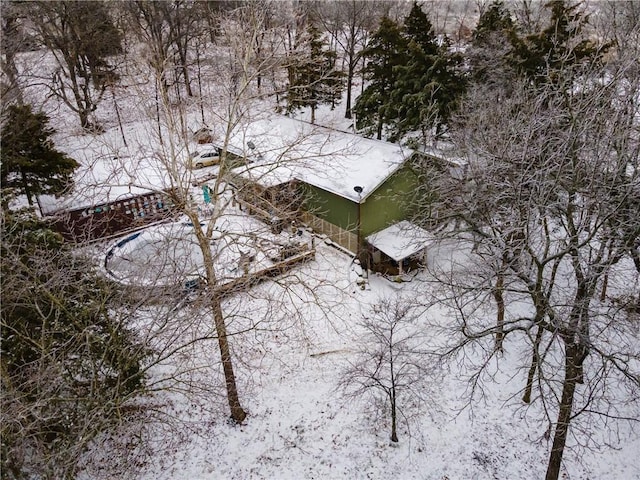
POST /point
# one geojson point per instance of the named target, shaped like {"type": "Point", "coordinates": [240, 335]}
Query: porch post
{"type": "Point", "coordinates": [358, 189]}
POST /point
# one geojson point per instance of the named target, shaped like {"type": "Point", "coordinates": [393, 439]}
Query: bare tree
{"type": "Point", "coordinates": [349, 22]}
{"type": "Point", "coordinates": [391, 360]}
{"type": "Point", "coordinates": [167, 30]}
{"type": "Point", "coordinates": [149, 22]}
{"type": "Point", "coordinates": [12, 43]}
{"type": "Point", "coordinates": [235, 101]}
{"type": "Point", "coordinates": [548, 176]}
{"type": "Point", "coordinates": [81, 36]}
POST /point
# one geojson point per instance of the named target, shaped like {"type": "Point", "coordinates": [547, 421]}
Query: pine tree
{"type": "Point", "coordinates": [418, 28]}
{"type": "Point", "coordinates": [30, 164]}
{"type": "Point", "coordinates": [428, 86]}
{"type": "Point", "coordinates": [496, 18]}
{"type": "Point", "coordinates": [490, 47]}
{"type": "Point", "coordinates": [546, 56]}
{"type": "Point", "coordinates": [314, 79]}
{"type": "Point", "coordinates": [69, 362]}
{"type": "Point", "coordinates": [386, 50]}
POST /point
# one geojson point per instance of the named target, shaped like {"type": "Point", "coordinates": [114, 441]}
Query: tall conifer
{"type": "Point", "coordinates": [488, 54]}
{"type": "Point", "coordinates": [30, 164]}
{"type": "Point", "coordinates": [552, 53]}
{"type": "Point", "coordinates": [428, 85]}
{"type": "Point", "coordinates": [315, 80]}
{"type": "Point", "coordinates": [386, 50]}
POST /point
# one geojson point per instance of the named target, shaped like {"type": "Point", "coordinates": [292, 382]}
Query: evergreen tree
{"type": "Point", "coordinates": [428, 85]}
{"type": "Point", "coordinates": [418, 28]}
{"type": "Point", "coordinates": [550, 54]}
{"type": "Point", "coordinates": [30, 164]}
{"type": "Point", "coordinates": [496, 18]}
{"type": "Point", "coordinates": [490, 47]}
{"type": "Point", "coordinates": [314, 79]}
{"type": "Point", "coordinates": [387, 49]}
{"type": "Point", "coordinates": [68, 362]}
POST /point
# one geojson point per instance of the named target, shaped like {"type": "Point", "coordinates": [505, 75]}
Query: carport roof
{"type": "Point", "coordinates": [401, 240]}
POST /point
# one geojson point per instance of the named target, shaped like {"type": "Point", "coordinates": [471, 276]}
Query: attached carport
{"type": "Point", "coordinates": [398, 248]}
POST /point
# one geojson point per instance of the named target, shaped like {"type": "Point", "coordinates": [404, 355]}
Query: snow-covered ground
{"type": "Point", "coordinates": [301, 425]}
{"type": "Point", "coordinates": [292, 340]}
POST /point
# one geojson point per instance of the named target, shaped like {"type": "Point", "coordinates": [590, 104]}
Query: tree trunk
{"type": "Point", "coordinates": [84, 117]}
{"type": "Point", "coordinates": [258, 51]}
{"type": "Point", "coordinates": [185, 71]}
{"type": "Point", "coordinates": [392, 393]}
{"type": "Point", "coordinates": [497, 294]}
{"type": "Point", "coordinates": [363, 74]}
{"type": "Point", "coordinates": [526, 398]}
{"type": "Point", "coordinates": [160, 136]}
{"type": "Point", "coordinates": [200, 99]}
{"type": "Point", "coordinates": [25, 185]}
{"type": "Point", "coordinates": [564, 413]}
{"type": "Point", "coordinates": [605, 284]}
{"type": "Point", "coordinates": [347, 111]}
{"type": "Point", "coordinates": [394, 416]}
{"type": "Point", "coordinates": [237, 413]}
{"type": "Point", "coordinates": [80, 87]}
{"type": "Point", "coordinates": [9, 48]}
{"type": "Point", "coordinates": [187, 81]}
{"type": "Point", "coordinates": [117, 109]}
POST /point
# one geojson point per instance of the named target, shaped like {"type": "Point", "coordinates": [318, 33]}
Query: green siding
{"type": "Point", "coordinates": [390, 203]}
{"type": "Point", "coordinates": [330, 207]}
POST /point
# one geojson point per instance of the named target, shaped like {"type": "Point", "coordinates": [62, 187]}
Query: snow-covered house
{"type": "Point", "coordinates": [340, 184]}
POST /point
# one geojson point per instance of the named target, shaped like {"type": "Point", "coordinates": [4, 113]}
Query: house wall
{"type": "Point", "coordinates": [390, 203]}
{"type": "Point", "coordinates": [331, 215]}
{"type": "Point", "coordinates": [337, 217]}
{"type": "Point", "coordinates": [330, 207]}
{"type": "Point", "coordinates": [344, 238]}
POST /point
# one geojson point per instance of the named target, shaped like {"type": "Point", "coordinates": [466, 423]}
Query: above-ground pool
{"type": "Point", "coordinates": [169, 255]}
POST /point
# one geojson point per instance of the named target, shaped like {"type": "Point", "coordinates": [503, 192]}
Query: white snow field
{"type": "Point", "coordinates": [300, 332]}
{"type": "Point", "coordinates": [301, 425]}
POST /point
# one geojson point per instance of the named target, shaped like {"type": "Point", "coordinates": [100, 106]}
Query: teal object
{"type": "Point", "coordinates": [206, 193]}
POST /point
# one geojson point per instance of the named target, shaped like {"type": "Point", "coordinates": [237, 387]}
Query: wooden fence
{"type": "Point", "coordinates": [104, 220]}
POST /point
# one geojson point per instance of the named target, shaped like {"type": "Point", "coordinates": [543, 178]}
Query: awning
{"type": "Point", "coordinates": [401, 240]}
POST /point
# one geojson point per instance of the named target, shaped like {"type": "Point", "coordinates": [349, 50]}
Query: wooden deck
{"type": "Point", "coordinates": [277, 219]}
{"type": "Point", "coordinates": [251, 279]}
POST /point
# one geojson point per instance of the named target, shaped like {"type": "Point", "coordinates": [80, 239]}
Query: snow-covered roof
{"type": "Point", "coordinates": [107, 179]}
{"type": "Point", "coordinates": [400, 240]}
{"type": "Point", "coordinates": [329, 159]}
{"type": "Point", "coordinates": [283, 149]}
